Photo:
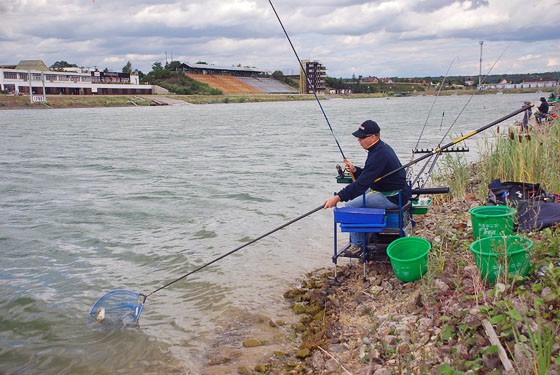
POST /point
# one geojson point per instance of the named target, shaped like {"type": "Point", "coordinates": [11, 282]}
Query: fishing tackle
{"type": "Point", "coordinates": [340, 171]}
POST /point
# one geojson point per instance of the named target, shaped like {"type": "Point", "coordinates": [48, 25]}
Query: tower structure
{"type": "Point", "coordinates": [312, 77]}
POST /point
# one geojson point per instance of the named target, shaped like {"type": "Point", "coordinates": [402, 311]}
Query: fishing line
{"type": "Point", "coordinates": [435, 99]}
{"type": "Point", "coordinates": [472, 95]}
{"type": "Point", "coordinates": [307, 79]}
{"type": "Point", "coordinates": [437, 155]}
{"type": "Point", "coordinates": [440, 149]}
{"type": "Point", "coordinates": [125, 306]}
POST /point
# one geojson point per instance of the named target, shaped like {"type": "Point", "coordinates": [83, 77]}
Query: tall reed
{"type": "Point", "coordinates": [533, 157]}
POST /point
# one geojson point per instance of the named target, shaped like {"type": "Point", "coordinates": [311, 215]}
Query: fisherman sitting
{"type": "Point", "coordinates": [542, 111]}
{"type": "Point", "coordinates": [382, 193]}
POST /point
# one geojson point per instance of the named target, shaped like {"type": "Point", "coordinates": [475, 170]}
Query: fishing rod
{"type": "Point", "coordinates": [123, 304]}
{"type": "Point", "coordinates": [434, 102]}
{"type": "Point", "coordinates": [131, 302]}
{"type": "Point", "coordinates": [438, 154]}
{"type": "Point", "coordinates": [308, 80]}
{"type": "Point", "coordinates": [438, 150]}
{"type": "Point", "coordinates": [235, 250]}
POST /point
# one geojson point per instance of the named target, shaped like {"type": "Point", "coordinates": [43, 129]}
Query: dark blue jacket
{"type": "Point", "coordinates": [381, 160]}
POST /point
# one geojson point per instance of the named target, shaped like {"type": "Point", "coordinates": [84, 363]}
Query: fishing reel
{"type": "Point", "coordinates": [342, 177]}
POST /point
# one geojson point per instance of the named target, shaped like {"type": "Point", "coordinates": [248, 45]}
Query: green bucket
{"type": "Point", "coordinates": [409, 257]}
{"type": "Point", "coordinates": [488, 221]}
{"type": "Point", "coordinates": [493, 255]}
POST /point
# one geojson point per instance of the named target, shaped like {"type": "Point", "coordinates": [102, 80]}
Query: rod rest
{"type": "Point", "coordinates": [427, 191]}
{"type": "Point", "coordinates": [432, 150]}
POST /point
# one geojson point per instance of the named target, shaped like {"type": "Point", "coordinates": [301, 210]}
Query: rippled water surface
{"type": "Point", "coordinates": [99, 199]}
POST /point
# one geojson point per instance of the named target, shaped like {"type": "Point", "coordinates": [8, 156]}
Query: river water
{"type": "Point", "coordinates": [106, 198]}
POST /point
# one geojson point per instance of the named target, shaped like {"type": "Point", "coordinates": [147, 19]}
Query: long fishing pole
{"type": "Point", "coordinates": [234, 250]}
{"type": "Point", "coordinates": [455, 121]}
{"type": "Point", "coordinates": [439, 149]}
{"type": "Point", "coordinates": [435, 99]}
{"type": "Point", "coordinates": [307, 79]}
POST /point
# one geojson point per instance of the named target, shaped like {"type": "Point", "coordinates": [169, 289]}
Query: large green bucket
{"type": "Point", "coordinates": [493, 255]}
{"type": "Point", "coordinates": [488, 221]}
{"type": "Point", "coordinates": [409, 257]}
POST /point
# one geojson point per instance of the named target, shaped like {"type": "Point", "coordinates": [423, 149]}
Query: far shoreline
{"type": "Point", "coordinates": [8, 102]}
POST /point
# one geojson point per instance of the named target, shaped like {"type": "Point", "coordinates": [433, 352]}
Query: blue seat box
{"type": "Point", "coordinates": [359, 215]}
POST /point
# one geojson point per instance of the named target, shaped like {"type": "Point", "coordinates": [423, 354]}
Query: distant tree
{"type": "Point", "coordinates": [59, 65]}
{"type": "Point", "coordinates": [202, 62]}
{"type": "Point", "coordinates": [277, 74]}
{"type": "Point", "coordinates": [127, 68]}
{"type": "Point", "coordinates": [174, 66]}
{"type": "Point", "coordinates": [157, 67]}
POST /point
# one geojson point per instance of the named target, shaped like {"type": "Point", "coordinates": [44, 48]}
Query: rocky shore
{"type": "Point", "coordinates": [446, 323]}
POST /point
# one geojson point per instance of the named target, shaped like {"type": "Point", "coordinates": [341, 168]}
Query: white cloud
{"type": "Point", "coordinates": [382, 37]}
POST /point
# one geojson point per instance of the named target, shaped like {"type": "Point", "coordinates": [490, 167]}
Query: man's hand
{"type": "Point", "coordinates": [332, 201]}
{"type": "Point", "coordinates": [349, 166]}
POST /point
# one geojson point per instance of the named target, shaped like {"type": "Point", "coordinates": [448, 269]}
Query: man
{"type": "Point", "coordinates": [526, 117]}
{"type": "Point", "coordinates": [543, 110]}
{"type": "Point", "coordinates": [381, 160]}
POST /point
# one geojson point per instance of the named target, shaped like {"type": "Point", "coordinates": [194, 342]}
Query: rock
{"type": "Point", "coordinates": [317, 361]}
{"type": "Point", "coordinates": [387, 286]}
{"type": "Point", "coordinates": [383, 371]}
{"type": "Point", "coordinates": [441, 286]}
{"type": "Point", "coordinates": [332, 367]}
{"type": "Point", "coordinates": [262, 368]}
{"type": "Point", "coordinates": [303, 353]}
{"type": "Point", "coordinates": [252, 343]}
{"type": "Point", "coordinates": [375, 289]}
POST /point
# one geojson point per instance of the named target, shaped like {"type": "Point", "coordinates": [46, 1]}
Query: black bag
{"type": "Point", "coordinates": [510, 192]}
{"type": "Point", "coordinates": [536, 208]}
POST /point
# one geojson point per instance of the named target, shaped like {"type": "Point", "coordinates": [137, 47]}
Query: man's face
{"type": "Point", "coordinates": [368, 141]}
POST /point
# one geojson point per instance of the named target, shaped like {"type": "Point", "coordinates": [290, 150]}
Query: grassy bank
{"type": "Point", "coordinates": [73, 101]}
{"type": "Point", "coordinates": [85, 101]}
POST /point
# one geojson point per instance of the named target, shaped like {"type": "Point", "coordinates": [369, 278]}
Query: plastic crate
{"type": "Point", "coordinates": [359, 215]}
{"type": "Point", "coordinates": [421, 206]}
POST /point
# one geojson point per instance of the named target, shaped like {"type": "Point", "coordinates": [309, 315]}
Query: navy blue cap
{"type": "Point", "coordinates": [367, 128]}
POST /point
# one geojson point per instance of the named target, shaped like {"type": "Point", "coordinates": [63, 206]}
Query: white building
{"type": "Point", "coordinates": [550, 83]}
{"type": "Point", "coordinates": [33, 76]}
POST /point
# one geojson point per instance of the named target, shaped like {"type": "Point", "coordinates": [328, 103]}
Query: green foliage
{"type": "Point", "coordinates": [177, 83]}
{"type": "Point", "coordinates": [62, 64]}
{"type": "Point", "coordinates": [532, 158]}
{"type": "Point", "coordinates": [172, 78]}
{"type": "Point", "coordinates": [454, 172]}
{"type": "Point", "coordinates": [127, 68]}
{"type": "Point", "coordinates": [174, 66]}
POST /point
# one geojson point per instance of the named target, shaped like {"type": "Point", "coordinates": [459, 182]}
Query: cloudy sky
{"type": "Point", "coordinates": [383, 38]}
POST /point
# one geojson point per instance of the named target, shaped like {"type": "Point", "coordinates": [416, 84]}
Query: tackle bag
{"type": "Point", "coordinates": [536, 208]}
